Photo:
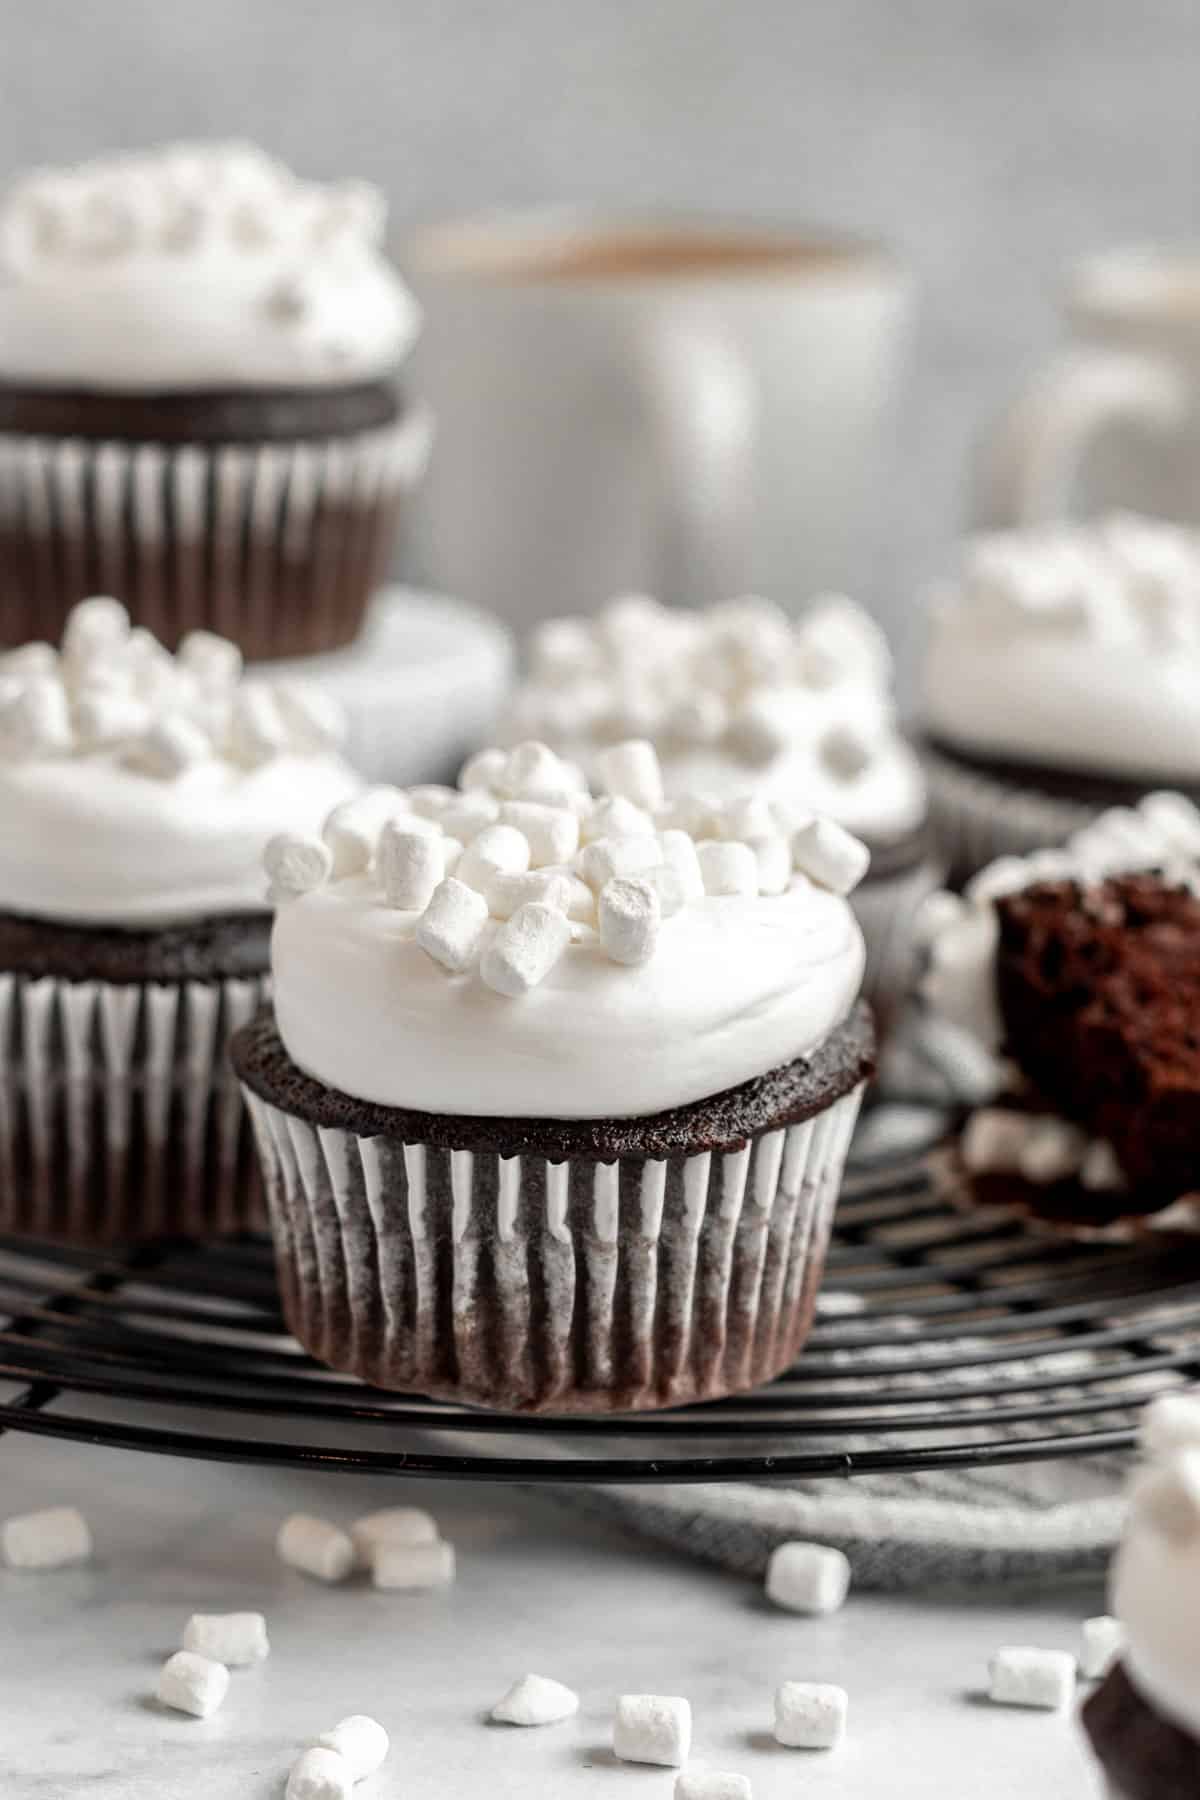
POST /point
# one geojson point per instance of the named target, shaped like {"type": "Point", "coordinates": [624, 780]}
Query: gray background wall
{"type": "Point", "coordinates": [991, 141]}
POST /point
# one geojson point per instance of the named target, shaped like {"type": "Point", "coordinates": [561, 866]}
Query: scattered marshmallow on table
{"type": "Point", "coordinates": [452, 926]}
{"type": "Point", "coordinates": [653, 1728]}
{"type": "Point", "coordinates": [320, 1774]}
{"type": "Point", "coordinates": [392, 1525]}
{"type": "Point", "coordinates": [712, 1784]}
{"type": "Point", "coordinates": [316, 1547]}
{"type": "Point", "coordinates": [810, 1715]}
{"type": "Point", "coordinates": [1103, 1639]}
{"type": "Point", "coordinates": [525, 949]}
{"type": "Point", "coordinates": [829, 855]}
{"type": "Point", "coordinates": [808, 1578]}
{"type": "Point", "coordinates": [193, 1684]}
{"type": "Point", "coordinates": [51, 1539]}
{"type": "Point", "coordinates": [1024, 1676]}
{"type": "Point", "coordinates": [536, 1700]}
{"type": "Point", "coordinates": [630, 915]}
{"type": "Point", "coordinates": [413, 1566]}
{"type": "Point", "coordinates": [235, 1639]}
{"type": "Point", "coordinates": [360, 1741]}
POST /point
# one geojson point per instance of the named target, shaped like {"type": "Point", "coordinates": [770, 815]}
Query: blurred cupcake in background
{"type": "Point", "coordinates": [741, 702]}
{"type": "Point", "coordinates": [199, 407]}
{"type": "Point", "coordinates": [1062, 677]}
{"type": "Point", "coordinates": [137, 793]}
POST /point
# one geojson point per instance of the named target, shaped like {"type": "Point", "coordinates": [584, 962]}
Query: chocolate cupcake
{"type": "Point", "coordinates": [1078, 971]}
{"type": "Point", "coordinates": [741, 700]}
{"type": "Point", "coordinates": [1062, 678]}
{"type": "Point", "coordinates": [137, 793]}
{"type": "Point", "coordinates": [199, 407]}
{"type": "Point", "coordinates": [555, 1121]}
{"type": "Point", "coordinates": [1144, 1718]}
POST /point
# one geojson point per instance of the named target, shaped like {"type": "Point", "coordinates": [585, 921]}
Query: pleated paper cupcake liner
{"type": "Point", "coordinates": [886, 908]}
{"type": "Point", "coordinates": [278, 546]}
{"type": "Point", "coordinates": [978, 817]}
{"type": "Point", "coordinates": [577, 1286]}
{"type": "Point", "coordinates": [120, 1117]}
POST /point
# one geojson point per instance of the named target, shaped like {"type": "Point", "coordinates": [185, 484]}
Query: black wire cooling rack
{"type": "Point", "coordinates": [945, 1339]}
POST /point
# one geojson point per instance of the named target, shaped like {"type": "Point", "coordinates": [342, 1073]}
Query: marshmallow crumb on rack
{"type": "Point", "coordinates": [360, 1741]}
{"type": "Point", "coordinates": [315, 1547]}
{"type": "Point", "coordinates": [319, 1774]}
{"type": "Point", "coordinates": [113, 690]}
{"type": "Point", "coordinates": [51, 1539]}
{"type": "Point", "coordinates": [521, 865]}
{"type": "Point", "coordinates": [1101, 1642]}
{"type": "Point", "coordinates": [236, 1639]}
{"type": "Point", "coordinates": [1021, 1675]}
{"type": "Point", "coordinates": [810, 1715]}
{"type": "Point", "coordinates": [808, 1578]}
{"type": "Point", "coordinates": [652, 1728]}
{"type": "Point", "coordinates": [535, 1700]}
{"type": "Point", "coordinates": [193, 1684]}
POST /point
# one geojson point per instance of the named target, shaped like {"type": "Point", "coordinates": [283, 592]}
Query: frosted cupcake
{"type": "Point", "coordinates": [137, 791]}
{"type": "Point", "coordinates": [1144, 1719]}
{"type": "Point", "coordinates": [554, 1102]}
{"type": "Point", "coordinates": [198, 399]}
{"type": "Point", "coordinates": [1074, 977]}
{"type": "Point", "coordinates": [1062, 677]}
{"type": "Point", "coordinates": [741, 700]}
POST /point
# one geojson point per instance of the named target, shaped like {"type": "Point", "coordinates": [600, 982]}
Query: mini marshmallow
{"type": "Point", "coordinates": [534, 772]}
{"type": "Point", "coordinates": [712, 1784]}
{"type": "Point", "coordinates": [30, 659]}
{"type": "Point", "coordinates": [392, 1525]}
{"type": "Point", "coordinates": [498, 850]}
{"type": "Point", "coordinates": [615, 817]}
{"type": "Point", "coordinates": [829, 855]}
{"type": "Point", "coordinates": [94, 626]}
{"type": "Point", "coordinates": [50, 1539]}
{"type": "Point", "coordinates": [668, 885]}
{"type": "Point", "coordinates": [727, 867]}
{"type": "Point", "coordinates": [993, 1140]}
{"type": "Point", "coordinates": [525, 949]}
{"type": "Point", "coordinates": [652, 1728]}
{"type": "Point", "coordinates": [236, 1639]}
{"type": "Point", "coordinates": [413, 1566]}
{"type": "Point", "coordinates": [507, 893]}
{"type": "Point", "coordinates": [748, 817]}
{"type": "Point", "coordinates": [483, 772]}
{"type": "Point", "coordinates": [313, 718]}
{"type": "Point", "coordinates": [581, 901]}
{"type": "Point", "coordinates": [360, 1741]}
{"type": "Point", "coordinates": [810, 1715]}
{"type": "Point", "coordinates": [320, 1774]}
{"type": "Point", "coordinates": [773, 855]}
{"type": "Point", "coordinates": [1053, 1149]}
{"type": "Point", "coordinates": [409, 864]}
{"type": "Point", "coordinates": [608, 858]}
{"type": "Point", "coordinates": [430, 799]}
{"type": "Point", "coordinates": [169, 747]}
{"type": "Point", "coordinates": [452, 926]}
{"type": "Point", "coordinates": [1102, 1641]}
{"type": "Point", "coordinates": [352, 828]}
{"type": "Point", "coordinates": [1023, 1676]}
{"type": "Point", "coordinates": [316, 1547]}
{"type": "Point", "coordinates": [552, 832]}
{"type": "Point", "coordinates": [679, 854]}
{"type": "Point", "coordinates": [630, 917]}
{"type": "Point", "coordinates": [631, 771]}
{"type": "Point", "coordinates": [215, 661]}
{"type": "Point", "coordinates": [108, 716]}
{"type": "Point", "coordinates": [808, 1578]}
{"type": "Point", "coordinates": [257, 731]}
{"type": "Point", "coordinates": [37, 720]}
{"type": "Point", "coordinates": [1172, 1422]}
{"type": "Point", "coordinates": [469, 815]}
{"type": "Point", "coordinates": [193, 1684]}
{"type": "Point", "coordinates": [296, 864]}
{"type": "Point", "coordinates": [535, 1700]}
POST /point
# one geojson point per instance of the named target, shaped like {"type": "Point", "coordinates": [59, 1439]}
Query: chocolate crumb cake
{"type": "Point", "coordinates": [553, 1104]}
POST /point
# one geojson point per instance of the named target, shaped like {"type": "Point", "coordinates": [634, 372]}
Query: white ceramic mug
{"type": "Point", "coordinates": [688, 409]}
{"type": "Point", "coordinates": [1114, 420]}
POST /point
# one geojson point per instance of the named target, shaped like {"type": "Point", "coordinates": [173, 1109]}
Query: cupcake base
{"type": "Point", "coordinates": [552, 1265]}
{"type": "Point", "coordinates": [120, 1118]}
{"type": "Point", "coordinates": [1144, 1755]}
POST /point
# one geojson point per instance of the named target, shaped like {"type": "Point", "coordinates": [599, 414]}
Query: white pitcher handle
{"type": "Point", "coordinates": [1028, 471]}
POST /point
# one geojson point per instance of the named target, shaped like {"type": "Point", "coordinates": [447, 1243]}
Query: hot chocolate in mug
{"type": "Point", "coordinates": [690, 409]}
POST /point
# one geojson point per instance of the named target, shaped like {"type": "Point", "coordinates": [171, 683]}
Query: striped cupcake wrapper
{"type": "Point", "coordinates": [120, 1117]}
{"type": "Point", "coordinates": [886, 910]}
{"type": "Point", "coordinates": [575, 1286]}
{"type": "Point", "coordinates": [978, 817]}
{"type": "Point", "coordinates": [275, 545]}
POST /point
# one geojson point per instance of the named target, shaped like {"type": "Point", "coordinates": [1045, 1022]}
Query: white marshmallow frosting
{"type": "Point", "coordinates": [1155, 1577]}
{"type": "Point", "coordinates": [196, 266]}
{"type": "Point", "coordinates": [520, 948]}
{"type": "Point", "coordinates": [139, 788]}
{"type": "Point", "coordinates": [737, 699]}
{"type": "Point", "coordinates": [1073, 647]}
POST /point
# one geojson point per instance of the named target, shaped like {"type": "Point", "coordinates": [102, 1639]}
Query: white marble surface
{"type": "Point", "coordinates": [537, 1589]}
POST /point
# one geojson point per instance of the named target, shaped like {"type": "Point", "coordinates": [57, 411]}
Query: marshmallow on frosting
{"type": "Point", "coordinates": [196, 266]}
{"type": "Point", "coordinates": [1073, 646]}
{"type": "Point", "coordinates": [737, 699]}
